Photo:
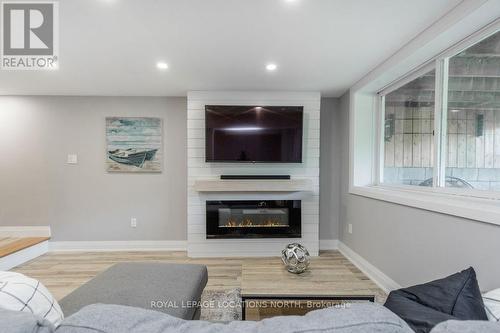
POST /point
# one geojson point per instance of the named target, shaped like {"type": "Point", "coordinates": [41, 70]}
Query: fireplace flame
{"type": "Point", "coordinates": [232, 223]}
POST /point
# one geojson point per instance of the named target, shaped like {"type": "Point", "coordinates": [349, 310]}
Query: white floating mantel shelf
{"type": "Point", "coordinates": [271, 185]}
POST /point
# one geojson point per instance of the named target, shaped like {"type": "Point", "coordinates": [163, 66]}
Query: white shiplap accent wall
{"type": "Point", "coordinates": [198, 245]}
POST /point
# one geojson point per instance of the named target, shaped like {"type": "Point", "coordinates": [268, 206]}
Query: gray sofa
{"type": "Point", "coordinates": [120, 300]}
{"type": "Point", "coordinates": [174, 289]}
{"type": "Point", "coordinates": [101, 318]}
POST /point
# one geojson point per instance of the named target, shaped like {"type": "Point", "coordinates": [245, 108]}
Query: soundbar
{"type": "Point", "coordinates": [253, 177]}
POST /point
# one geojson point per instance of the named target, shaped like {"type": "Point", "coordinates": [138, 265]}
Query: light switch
{"type": "Point", "coordinates": [72, 159]}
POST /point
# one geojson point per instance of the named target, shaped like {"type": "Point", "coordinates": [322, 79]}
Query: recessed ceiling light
{"type": "Point", "coordinates": [162, 65]}
{"type": "Point", "coordinates": [271, 67]}
{"type": "Point", "coordinates": [455, 110]}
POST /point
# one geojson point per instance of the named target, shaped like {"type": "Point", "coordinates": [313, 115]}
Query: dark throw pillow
{"type": "Point", "coordinates": [426, 305]}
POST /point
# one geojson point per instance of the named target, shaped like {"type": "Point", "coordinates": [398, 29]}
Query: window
{"type": "Point", "coordinates": [408, 133]}
{"type": "Point", "coordinates": [431, 139]}
{"type": "Point", "coordinates": [473, 140]}
{"type": "Point", "coordinates": [443, 130]}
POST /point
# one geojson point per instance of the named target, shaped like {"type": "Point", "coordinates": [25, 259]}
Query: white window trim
{"type": "Point", "coordinates": [477, 205]}
{"type": "Point", "coordinates": [479, 209]}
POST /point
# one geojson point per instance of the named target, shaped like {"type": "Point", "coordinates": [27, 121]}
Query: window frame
{"type": "Point", "coordinates": [440, 64]}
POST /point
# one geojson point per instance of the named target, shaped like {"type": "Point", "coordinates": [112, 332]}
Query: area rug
{"type": "Point", "coordinates": [221, 305]}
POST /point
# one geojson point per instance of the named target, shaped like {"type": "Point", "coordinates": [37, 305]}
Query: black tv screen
{"type": "Point", "coordinates": [253, 133]}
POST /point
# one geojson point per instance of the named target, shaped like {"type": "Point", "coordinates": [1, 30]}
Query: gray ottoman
{"type": "Point", "coordinates": [170, 288]}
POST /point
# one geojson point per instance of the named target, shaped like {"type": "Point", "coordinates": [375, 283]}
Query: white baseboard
{"type": "Point", "coordinates": [28, 231]}
{"type": "Point", "coordinates": [324, 244]}
{"type": "Point", "coordinates": [100, 246]}
{"type": "Point", "coordinates": [24, 255]}
{"type": "Point", "coordinates": [328, 244]}
{"type": "Point", "coordinates": [383, 281]}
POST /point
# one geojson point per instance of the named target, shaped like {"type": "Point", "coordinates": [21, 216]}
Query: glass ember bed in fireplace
{"type": "Point", "coordinates": [254, 219]}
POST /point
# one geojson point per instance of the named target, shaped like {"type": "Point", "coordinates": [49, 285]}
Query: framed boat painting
{"type": "Point", "coordinates": [134, 144]}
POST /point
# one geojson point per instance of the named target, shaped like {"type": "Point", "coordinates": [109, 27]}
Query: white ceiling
{"type": "Point", "coordinates": [110, 47]}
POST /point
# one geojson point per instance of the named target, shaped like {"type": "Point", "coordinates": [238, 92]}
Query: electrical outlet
{"type": "Point", "coordinates": [133, 222]}
{"type": "Point", "coordinates": [349, 228]}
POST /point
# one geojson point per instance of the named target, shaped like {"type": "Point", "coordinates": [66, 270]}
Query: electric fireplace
{"type": "Point", "coordinates": [254, 219]}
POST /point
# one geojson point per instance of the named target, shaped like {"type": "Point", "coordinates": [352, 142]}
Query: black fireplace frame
{"type": "Point", "coordinates": [293, 230]}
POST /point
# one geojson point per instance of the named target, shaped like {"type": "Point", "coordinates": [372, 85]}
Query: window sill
{"type": "Point", "coordinates": [478, 209]}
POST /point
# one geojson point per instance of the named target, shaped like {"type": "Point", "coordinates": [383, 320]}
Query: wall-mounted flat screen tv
{"type": "Point", "coordinates": [252, 134]}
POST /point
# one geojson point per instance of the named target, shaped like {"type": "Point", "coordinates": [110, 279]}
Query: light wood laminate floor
{"type": "Point", "coordinates": [62, 272]}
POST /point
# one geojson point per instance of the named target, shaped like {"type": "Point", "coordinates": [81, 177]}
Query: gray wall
{"type": "Point", "coordinates": [84, 202]}
{"type": "Point", "coordinates": [412, 245]}
{"type": "Point", "coordinates": [329, 169]}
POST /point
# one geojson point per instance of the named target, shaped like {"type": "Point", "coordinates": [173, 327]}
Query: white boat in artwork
{"type": "Point", "coordinates": [131, 156]}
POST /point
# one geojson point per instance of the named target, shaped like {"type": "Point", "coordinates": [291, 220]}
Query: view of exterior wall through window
{"type": "Point", "coordinates": [408, 133]}
{"type": "Point", "coordinates": [473, 140]}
